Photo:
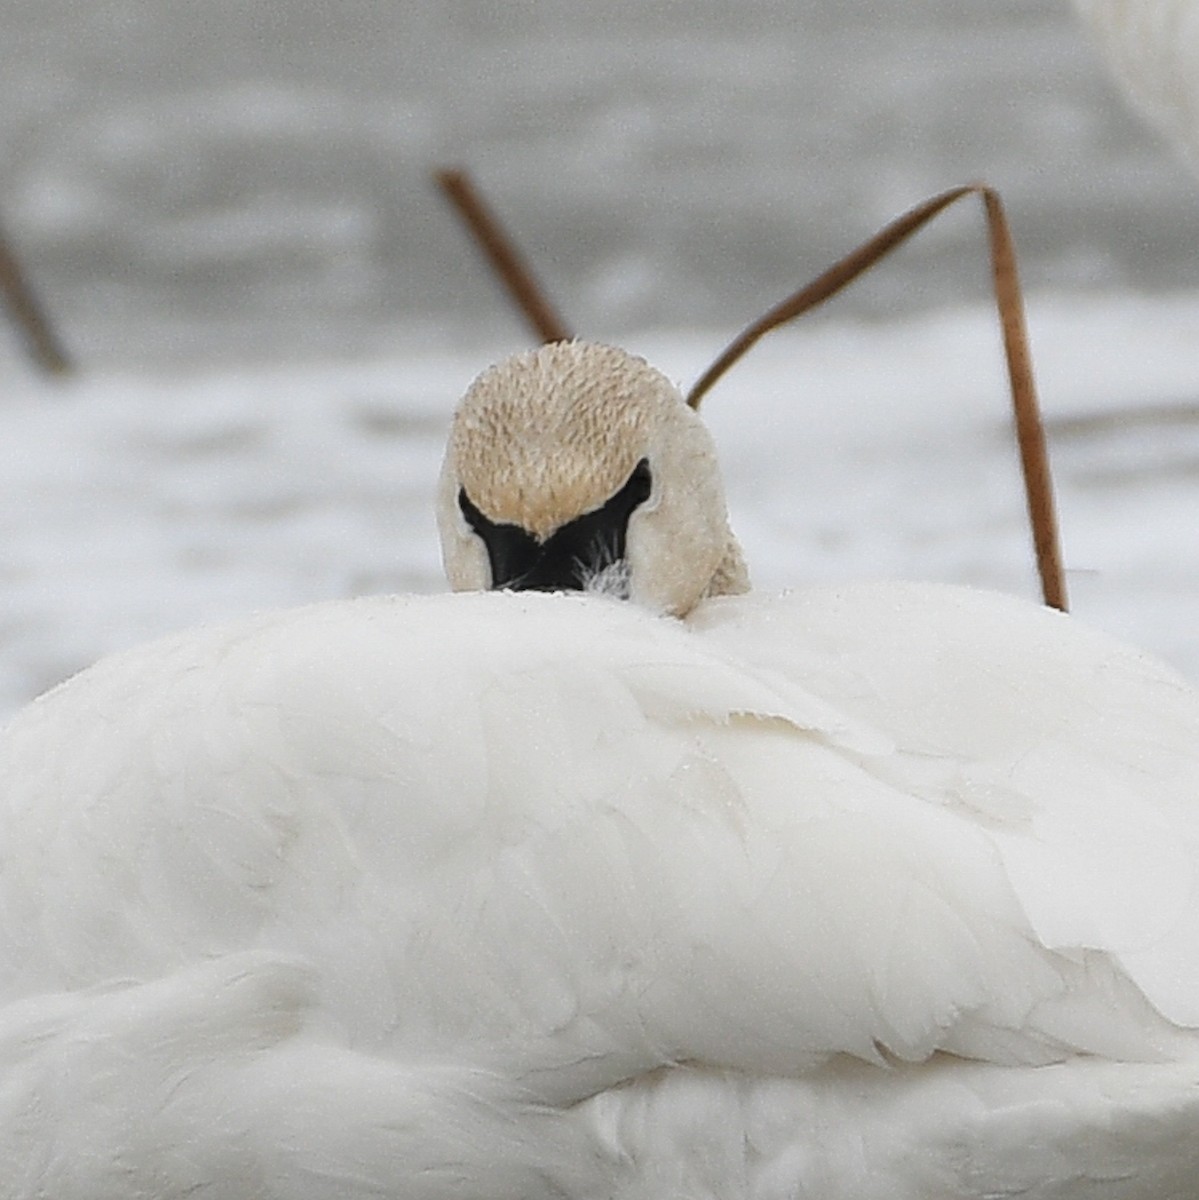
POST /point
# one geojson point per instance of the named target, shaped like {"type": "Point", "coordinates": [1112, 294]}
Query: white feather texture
{"type": "Point", "coordinates": [884, 891]}
{"type": "Point", "coordinates": [876, 893]}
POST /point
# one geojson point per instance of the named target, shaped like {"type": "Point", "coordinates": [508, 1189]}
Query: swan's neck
{"type": "Point", "coordinates": [731, 577]}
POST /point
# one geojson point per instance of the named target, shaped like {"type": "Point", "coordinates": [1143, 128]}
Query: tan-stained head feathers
{"type": "Point", "coordinates": [546, 437]}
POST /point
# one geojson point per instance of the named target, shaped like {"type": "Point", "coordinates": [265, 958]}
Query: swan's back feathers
{"type": "Point", "coordinates": [561, 843]}
{"type": "Point", "coordinates": [635, 799]}
{"type": "Point", "coordinates": [1075, 752]}
{"type": "Point", "coordinates": [211, 1082]}
{"type": "Point", "coordinates": [1090, 1129]}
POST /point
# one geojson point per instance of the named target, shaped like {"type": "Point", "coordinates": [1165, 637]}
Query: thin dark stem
{"type": "Point", "coordinates": [1030, 428]}
{"type": "Point", "coordinates": [500, 251]}
{"type": "Point", "coordinates": [42, 343]}
{"type": "Point", "coordinates": [1026, 411]}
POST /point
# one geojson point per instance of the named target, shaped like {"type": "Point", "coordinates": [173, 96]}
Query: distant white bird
{"type": "Point", "coordinates": [885, 891]}
{"type": "Point", "coordinates": [1153, 47]}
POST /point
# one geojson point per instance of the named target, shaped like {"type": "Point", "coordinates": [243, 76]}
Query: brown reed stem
{"type": "Point", "coordinates": [501, 252]}
{"type": "Point", "coordinates": [31, 320]}
{"type": "Point", "coordinates": [1029, 426]}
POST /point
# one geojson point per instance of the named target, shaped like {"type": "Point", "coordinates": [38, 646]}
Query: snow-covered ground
{"type": "Point", "coordinates": [132, 504]}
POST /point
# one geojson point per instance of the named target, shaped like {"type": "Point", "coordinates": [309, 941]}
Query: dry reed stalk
{"type": "Point", "coordinates": [31, 320]}
{"type": "Point", "coordinates": [501, 253]}
{"type": "Point", "coordinates": [1009, 300]}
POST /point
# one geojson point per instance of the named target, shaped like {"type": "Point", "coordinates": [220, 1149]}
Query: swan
{"type": "Point", "coordinates": [603, 875]}
{"type": "Point", "coordinates": [1152, 47]}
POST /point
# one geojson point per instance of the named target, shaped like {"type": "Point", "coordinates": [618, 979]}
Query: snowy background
{"type": "Point", "coordinates": [227, 207]}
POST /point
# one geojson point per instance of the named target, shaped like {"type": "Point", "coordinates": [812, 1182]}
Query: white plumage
{"type": "Point", "coordinates": [885, 891]}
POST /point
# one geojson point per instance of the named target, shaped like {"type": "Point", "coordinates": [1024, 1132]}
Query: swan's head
{"type": "Point", "coordinates": [578, 467]}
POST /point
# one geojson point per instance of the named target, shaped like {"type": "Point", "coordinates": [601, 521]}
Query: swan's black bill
{"type": "Point", "coordinates": [574, 556]}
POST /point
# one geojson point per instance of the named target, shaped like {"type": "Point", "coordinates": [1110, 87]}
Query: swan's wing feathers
{"type": "Point", "coordinates": [1082, 1130]}
{"type": "Point", "coordinates": [220, 1080]}
{"type": "Point", "coordinates": [563, 837]}
{"type": "Point", "coordinates": [1076, 754]}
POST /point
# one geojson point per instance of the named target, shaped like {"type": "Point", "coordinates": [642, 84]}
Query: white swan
{"type": "Point", "coordinates": [1153, 48]}
{"type": "Point", "coordinates": [887, 891]}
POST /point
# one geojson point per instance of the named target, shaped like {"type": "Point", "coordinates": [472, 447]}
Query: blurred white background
{"type": "Point", "coordinates": [234, 179]}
